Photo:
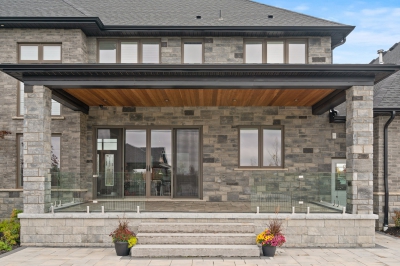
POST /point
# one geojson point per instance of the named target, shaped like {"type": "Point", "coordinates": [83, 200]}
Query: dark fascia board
{"type": "Point", "coordinates": [372, 68]}
{"type": "Point", "coordinates": [99, 27]}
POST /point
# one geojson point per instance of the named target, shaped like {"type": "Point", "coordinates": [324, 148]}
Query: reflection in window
{"type": "Point", "coordinates": [297, 53]}
{"type": "Point", "coordinates": [29, 52]}
{"type": "Point", "coordinates": [55, 160]}
{"type": "Point", "coordinates": [249, 147]}
{"type": "Point", "coordinates": [129, 52]}
{"type": "Point", "coordinates": [268, 153]}
{"type": "Point", "coordinates": [193, 53]}
{"type": "Point", "coordinates": [253, 53]}
{"type": "Point", "coordinates": [107, 52]}
{"type": "Point", "coordinates": [151, 53]}
{"type": "Point", "coordinates": [272, 147]}
{"type": "Point", "coordinates": [20, 149]}
{"type": "Point", "coordinates": [275, 52]}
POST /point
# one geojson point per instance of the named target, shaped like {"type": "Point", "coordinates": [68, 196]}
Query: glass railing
{"type": "Point", "coordinates": [299, 192]}
{"type": "Point", "coordinates": [68, 189]}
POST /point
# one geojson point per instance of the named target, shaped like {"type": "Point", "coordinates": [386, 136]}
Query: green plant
{"type": "Point", "coordinates": [396, 218]}
{"type": "Point", "coordinates": [122, 233]}
{"type": "Point", "coordinates": [10, 231]}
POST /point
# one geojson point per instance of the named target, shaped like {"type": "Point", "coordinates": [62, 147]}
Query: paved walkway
{"type": "Point", "coordinates": [386, 253]}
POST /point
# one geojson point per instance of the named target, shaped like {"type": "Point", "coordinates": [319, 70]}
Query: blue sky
{"type": "Point", "coordinates": [377, 24]}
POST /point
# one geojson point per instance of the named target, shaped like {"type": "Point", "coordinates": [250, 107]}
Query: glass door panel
{"type": "Point", "coordinates": [186, 178]}
{"type": "Point", "coordinates": [135, 162]}
{"type": "Point", "coordinates": [339, 183]}
{"type": "Point", "coordinates": [161, 162]}
{"type": "Point", "coordinates": [109, 163]}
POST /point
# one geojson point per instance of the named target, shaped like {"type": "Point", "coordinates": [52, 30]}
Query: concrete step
{"type": "Point", "coordinates": [196, 228]}
{"type": "Point", "coordinates": [195, 251]}
{"type": "Point", "coordinates": [197, 238]}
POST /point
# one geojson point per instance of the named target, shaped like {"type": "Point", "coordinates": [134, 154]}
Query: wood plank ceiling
{"type": "Point", "coordinates": [199, 97]}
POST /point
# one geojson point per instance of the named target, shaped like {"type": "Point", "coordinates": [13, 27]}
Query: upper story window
{"type": "Point", "coordinates": [39, 53]}
{"type": "Point", "coordinates": [261, 147]}
{"type": "Point", "coordinates": [129, 51]}
{"type": "Point", "coordinates": [192, 52]}
{"type": "Point", "coordinates": [275, 51]}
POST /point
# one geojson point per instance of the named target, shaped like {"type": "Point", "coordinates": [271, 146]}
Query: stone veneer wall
{"type": "Point", "coordinates": [309, 146]}
{"type": "Point", "coordinates": [73, 51]}
{"type": "Point", "coordinates": [10, 199]}
{"type": "Point", "coordinates": [301, 230]}
{"type": "Point", "coordinates": [223, 50]}
{"type": "Point", "coordinates": [394, 168]}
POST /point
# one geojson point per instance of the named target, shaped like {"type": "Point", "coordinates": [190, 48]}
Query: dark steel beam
{"type": "Point", "coordinates": [332, 100]}
{"type": "Point", "coordinates": [70, 101]}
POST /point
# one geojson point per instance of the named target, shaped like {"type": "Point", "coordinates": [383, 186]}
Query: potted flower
{"type": "Point", "coordinates": [271, 238]}
{"type": "Point", "coordinates": [123, 238]}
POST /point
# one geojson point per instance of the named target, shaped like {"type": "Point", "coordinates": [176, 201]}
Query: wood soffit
{"type": "Point", "coordinates": [199, 97]}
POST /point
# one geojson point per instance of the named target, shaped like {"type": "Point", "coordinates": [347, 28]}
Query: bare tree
{"type": "Point", "coordinates": [275, 153]}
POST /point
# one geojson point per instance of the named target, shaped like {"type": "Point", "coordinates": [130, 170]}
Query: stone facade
{"type": "Point", "coordinates": [359, 145]}
{"type": "Point", "coordinates": [309, 146]}
{"type": "Point", "coordinates": [68, 125]}
{"type": "Point", "coordinates": [394, 168]}
{"type": "Point", "coordinates": [223, 50]}
{"type": "Point", "coordinates": [301, 230]}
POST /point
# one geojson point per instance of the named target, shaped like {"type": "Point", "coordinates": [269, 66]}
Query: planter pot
{"type": "Point", "coordinates": [121, 248]}
{"type": "Point", "coordinates": [268, 251]}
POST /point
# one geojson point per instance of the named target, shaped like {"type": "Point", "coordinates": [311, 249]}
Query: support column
{"type": "Point", "coordinates": [37, 149]}
{"type": "Point", "coordinates": [359, 150]}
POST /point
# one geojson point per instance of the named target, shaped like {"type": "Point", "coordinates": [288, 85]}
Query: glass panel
{"type": "Point", "coordinates": [254, 53]}
{"type": "Point", "coordinates": [161, 162]}
{"type": "Point", "coordinates": [107, 52]}
{"type": "Point", "coordinates": [55, 160]}
{"type": "Point", "coordinates": [339, 182]}
{"type": "Point", "coordinates": [29, 52]}
{"type": "Point", "coordinates": [249, 147]}
{"type": "Point", "coordinates": [52, 52]}
{"type": "Point", "coordinates": [135, 163]}
{"type": "Point", "coordinates": [297, 53]}
{"type": "Point", "coordinates": [187, 166]}
{"type": "Point", "coordinates": [151, 53]}
{"type": "Point", "coordinates": [55, 108]}
{"type": "Point", "coordinates": [193, 53]}
{"type": "Point", "coordinates": [275, 52]}
{"type": "Point", "coordinates": [129, 52]}
{"type": "Point", "coordinates": [21, 99]}
{"type": "Point", "coordinates": [21, 160]}
{"type": "Point", "coordinates": [272, 142]}
{"type": "Point", "coordinates": [109, 163]}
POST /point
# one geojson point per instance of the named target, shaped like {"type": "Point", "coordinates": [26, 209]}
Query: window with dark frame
{"type": "Point", "coordinates": [278, 51]}
{"type": "Point", "coordinates": [131, 51]}
{"type": "Point", "coordinates": [55, 159]}
{"type": "Point", "coordinates": [261, 147]}
{"type": "Point", "coordinates": [39, 53]}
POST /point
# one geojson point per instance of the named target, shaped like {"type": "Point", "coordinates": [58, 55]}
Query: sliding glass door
{"type": "Point", "coordinates": [154, 162]}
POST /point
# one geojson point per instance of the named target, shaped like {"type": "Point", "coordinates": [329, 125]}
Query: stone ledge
{"type": "Point", "coordinates": [172, 215]}
{"type": "Point", "coordinates": [260, 169]}
{"type": "Point", "coordinates": [11, 190]}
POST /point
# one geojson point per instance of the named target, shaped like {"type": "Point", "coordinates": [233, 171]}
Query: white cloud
{"type": "Point", "coordinates": [301, 7]}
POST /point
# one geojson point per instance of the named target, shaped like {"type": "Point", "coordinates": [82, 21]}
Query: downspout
{"type": "Point", "coordinates": [385, 170]}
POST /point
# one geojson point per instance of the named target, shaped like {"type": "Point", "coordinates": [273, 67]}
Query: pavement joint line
{"type": "Point", "coordinates": [12, 252]}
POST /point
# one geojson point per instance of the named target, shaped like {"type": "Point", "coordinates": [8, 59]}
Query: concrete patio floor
{"type": "Point", "coordinates": [385, 253]}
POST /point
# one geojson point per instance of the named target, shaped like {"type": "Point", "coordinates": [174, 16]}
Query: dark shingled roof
{"type": "Point", "coordinates": [387, 92]}
{"type": "Point", "coordinates": [163, 12]}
